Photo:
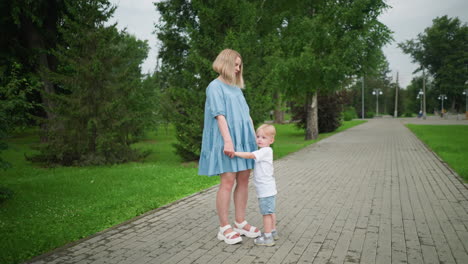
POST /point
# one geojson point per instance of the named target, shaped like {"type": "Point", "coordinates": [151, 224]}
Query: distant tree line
{"type": "Point", "coordinates": [442, 51]}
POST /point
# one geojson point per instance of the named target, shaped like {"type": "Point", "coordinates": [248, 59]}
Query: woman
{"type": "Point", "coordinates": [228, 128]}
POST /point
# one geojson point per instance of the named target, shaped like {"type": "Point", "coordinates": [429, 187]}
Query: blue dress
{"type": "Point", "coordinates": [227, 100]}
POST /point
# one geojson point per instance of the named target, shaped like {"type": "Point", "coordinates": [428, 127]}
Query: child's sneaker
{"type": "Point", "coordinates": [264, 241]}
{"type": "Point", "coordinates": [275, 235]}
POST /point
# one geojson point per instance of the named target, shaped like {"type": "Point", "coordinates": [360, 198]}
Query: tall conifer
{"type": "Point", "coordinates": [102, 106]}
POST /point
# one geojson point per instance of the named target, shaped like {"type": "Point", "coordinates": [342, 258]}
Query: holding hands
{"type": "Point", "coordinates": [229, 149]}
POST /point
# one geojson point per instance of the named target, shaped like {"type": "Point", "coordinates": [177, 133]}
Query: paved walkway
{"type": "Point", "coordinates": [371, 194]}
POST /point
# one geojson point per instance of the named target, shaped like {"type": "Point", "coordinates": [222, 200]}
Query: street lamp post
{"type": "Point", "coordinates": [424, 94]}
{"type": "Point", "coordinates": [420, 102]}
{"type": "Point", "coordinates": [377, 92]}
{"type": "Point", "coordinates": [362, 102]}
{"type": "Point", "coordinates": [442, 97]}
{"type": "Point", "coordinates": [465, 92]}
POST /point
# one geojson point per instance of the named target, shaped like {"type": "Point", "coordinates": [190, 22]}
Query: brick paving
{"type": "Point", "coordinates": [371, 194]}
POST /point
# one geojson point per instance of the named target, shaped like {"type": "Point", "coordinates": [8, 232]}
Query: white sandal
{"type": "Point", "coordinates": [251, 233]}
{"type": "Point", "coordinates": [228, 237]}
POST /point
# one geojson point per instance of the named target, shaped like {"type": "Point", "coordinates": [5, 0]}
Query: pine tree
{"type": "Point", "coordinates": [14, 104]}
{"type": "Point", "coordinates": [102, 106]}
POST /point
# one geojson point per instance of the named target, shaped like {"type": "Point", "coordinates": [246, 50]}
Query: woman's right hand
{"type": "Point", "coordinates": [229, 149]}
{"type": "Point", "coordinates": [223, 128]}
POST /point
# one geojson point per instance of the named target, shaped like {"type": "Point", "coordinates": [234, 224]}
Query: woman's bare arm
{"type": "Point", "coordinates": [223, 128]}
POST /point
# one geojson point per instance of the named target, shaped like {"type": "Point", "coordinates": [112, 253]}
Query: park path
{"type": "Point", "coordinates": [371, 194]}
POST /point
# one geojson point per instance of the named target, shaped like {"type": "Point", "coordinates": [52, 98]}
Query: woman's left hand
{"type": "Point", "coordinates": [229, 149]}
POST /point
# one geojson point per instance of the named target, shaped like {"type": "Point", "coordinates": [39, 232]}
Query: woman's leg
{"type": "Point", "coordinates": [241, 195]}
{"type": "Point", "coordinates": [223, 198]}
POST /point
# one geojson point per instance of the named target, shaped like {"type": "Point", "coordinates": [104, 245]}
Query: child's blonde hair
{"type": "Point", "coordinates": [225, 65]}
{"type": "Point", "coordinates": [269, 129]}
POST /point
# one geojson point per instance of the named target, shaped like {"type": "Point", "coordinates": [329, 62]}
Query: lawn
{"type": "Point", "coordinates": [449, 142]}
{"type": "Point", "coordinates": [53, 207]}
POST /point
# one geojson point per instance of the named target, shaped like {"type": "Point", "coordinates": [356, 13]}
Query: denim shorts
{"type": "Point", "coordinates": [267, 205]}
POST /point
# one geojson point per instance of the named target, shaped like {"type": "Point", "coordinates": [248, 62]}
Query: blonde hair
{"type": "Point", "coordinates": [269, 129]}
{"type": "Point", "coordinates": [225, 65]}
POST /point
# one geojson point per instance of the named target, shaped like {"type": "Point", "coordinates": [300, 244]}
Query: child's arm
{"type": "Point", "coordinates": [244, 155]}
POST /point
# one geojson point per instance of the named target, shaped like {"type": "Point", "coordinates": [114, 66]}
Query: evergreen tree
{"type": "Point", "coordinates": [30, 31]}
{"type": "Point", "coordinates": [14, 104]}
{"type": "Point", "coordinates": [102, 107]}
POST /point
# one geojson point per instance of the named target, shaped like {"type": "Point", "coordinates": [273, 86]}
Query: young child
{"type": "Point", "coordinates": [264, 182]}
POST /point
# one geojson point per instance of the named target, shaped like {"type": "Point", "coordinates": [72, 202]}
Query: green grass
{"type": "Point", "coordinates": [52, 207]}
{"type": "Point", "coordinates": [287, 116]}
{"type": "Point", "coordinates": [449, 142]}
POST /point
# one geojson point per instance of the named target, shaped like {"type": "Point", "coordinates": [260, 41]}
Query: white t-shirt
{"type": "Point", "coordinates": [263, 172]}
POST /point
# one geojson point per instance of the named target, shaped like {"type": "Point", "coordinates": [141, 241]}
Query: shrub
{"type": "Point", "coordinates": [5, 194]}
{"type": "Point", "coordinates": [349, 114]}
{"type": "Point", "coordinates": [15, 89]}
{"type": "Point", "coordinates": [370, 115]}
{"type": "Point", "coordinates": [329, 111]}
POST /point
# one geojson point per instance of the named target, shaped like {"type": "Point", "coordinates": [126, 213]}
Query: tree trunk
{"type": "Point", "coordinates": [397, 87]}
{"type": "Point", "coordinates": [278, 112]}
{"type": "Point", "coordinates": [312, 117]}
{"type": "Point", "coordinates": [36, 42]}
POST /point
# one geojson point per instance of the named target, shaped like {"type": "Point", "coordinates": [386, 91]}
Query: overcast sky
{"type": "Point", "coordinates": [406, 18]}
